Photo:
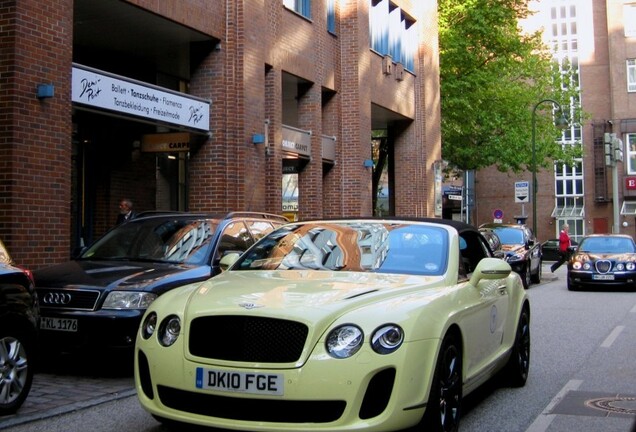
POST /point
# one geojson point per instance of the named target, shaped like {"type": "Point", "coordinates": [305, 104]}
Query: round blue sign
{"type": "Point", "coordinates": [498, 214]}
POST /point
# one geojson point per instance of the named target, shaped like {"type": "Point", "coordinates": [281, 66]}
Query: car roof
{"type": "Point", "coordinates": [502, 225]}
{"type": "Point", "coordinates": [616, 235]}
{"type": "Point", "coordinates": [218, 216]}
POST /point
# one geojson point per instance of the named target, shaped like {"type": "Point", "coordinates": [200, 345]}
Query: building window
{"type": "Point", "coordinates": [631, 75]}
{"type": "Point", "coordinates": [331, 16]}
{"type": "Point", "coordinates": [303, 7]}
{"type": "Point", "coordinates": [630, 152]}
{"type": "Point", "coordinates": [392, 32]}
{"type": "Point", "coordinates": [629, 20]}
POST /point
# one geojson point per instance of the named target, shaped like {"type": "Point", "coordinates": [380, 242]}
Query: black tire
{"type": "Point", "coordinates": [516, 370]}
{"type": "Point", "coordinates": [525, 276]}
{"type": "Point", "coordinates": [443, 410]}
{"type": "Point", "coordinates": [536, 277]}
{"type": "Point", "coordinates": [16, 365]}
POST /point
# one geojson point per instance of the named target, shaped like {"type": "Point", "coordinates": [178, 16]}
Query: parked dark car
{"type": "Point", "coordinates": [605, 261]}
{"type": "Point", "coordinates": [97, 299]}
{"type": "Point", "coordinates": [18, 333]}
{"type": "Point", "coordinates": [521, 250]}
{"type": "Point", "coordinates": [550, 249]}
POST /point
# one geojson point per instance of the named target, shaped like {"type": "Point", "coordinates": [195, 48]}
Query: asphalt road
{"type": "Point", "coordinates": [582, 375]}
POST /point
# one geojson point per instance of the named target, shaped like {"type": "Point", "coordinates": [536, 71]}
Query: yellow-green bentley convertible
{"type": "Point", "coordinates": [337, 325]}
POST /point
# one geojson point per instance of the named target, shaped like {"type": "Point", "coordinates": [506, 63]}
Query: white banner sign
{"type": "Point", "coordinates": [98, 89]}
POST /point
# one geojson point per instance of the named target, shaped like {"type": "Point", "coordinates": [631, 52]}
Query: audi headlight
{"type": "Point", "coordinates": [169, 330]}
{"type": "Point", "coordinates": [387, 339]}
{"type": "Point", "coordinates": [128, 300]}
{"type": "Point", "coordinates": [344, 341]}
{"type": "Point", "coordinates": [149, 325]}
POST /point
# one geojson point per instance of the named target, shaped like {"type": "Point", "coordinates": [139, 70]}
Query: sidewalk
{"type": "Point", "coordinates": [68, 383]}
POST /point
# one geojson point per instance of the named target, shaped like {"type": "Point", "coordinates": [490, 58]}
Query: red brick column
{"type": "Point", "coordinates": [35, 135]}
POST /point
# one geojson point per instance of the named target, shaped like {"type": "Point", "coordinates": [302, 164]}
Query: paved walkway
{"type": "Point", "coordinates": [70, 382]}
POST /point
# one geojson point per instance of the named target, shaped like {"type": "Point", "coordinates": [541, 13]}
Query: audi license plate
{"type": "Point", "coordinates": [59, 324]}
{"type": "Point", "coordinates": [240, 382]}
{"type": "Point", "coordinates": [603, 277]}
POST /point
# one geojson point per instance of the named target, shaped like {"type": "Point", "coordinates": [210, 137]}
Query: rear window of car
{"type": "Point", "coordinates": [510, 235]}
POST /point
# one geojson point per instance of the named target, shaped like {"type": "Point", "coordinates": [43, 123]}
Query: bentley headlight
{"type": "Point", "coordinates": [169, 330]}
{"type": "Point", "coordinates": [630, 266]}
{"type": "Point", "coordinates": [128, 300]}
{"type": "Point", "coordinates": [149, 325]}
{"type": "Point", "coordinates": [387, 339]}
{"type": "Point", "coordinates": [344, 341]}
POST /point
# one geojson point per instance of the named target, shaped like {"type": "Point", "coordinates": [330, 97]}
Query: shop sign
{"type": "Point", "coordinates": [630, 183]}
{"type": "Point", "coordinates": [296, 141]}
{"type": "Point", "coordinates": [100, 89]}
{"type": "Point", "coordinates": [167, 142]}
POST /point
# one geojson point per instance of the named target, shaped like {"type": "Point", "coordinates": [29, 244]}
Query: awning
{"type": "Point", "coordinates": [628, 208]}
{"type": "Point", "coordinates": [568, 211]}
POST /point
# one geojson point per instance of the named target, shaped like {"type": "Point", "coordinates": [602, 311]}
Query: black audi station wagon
{"type": "Point", "coordinates": [97, 299]}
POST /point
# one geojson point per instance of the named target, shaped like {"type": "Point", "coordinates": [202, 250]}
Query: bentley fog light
{"type": "Point", "coordinates": [169, 330]}
{"type": "Point", "coordinates": [128, 300]}
{"type": "Point", "coordinates": [149, 325]}
{"type": "Point", "coordinates": [344, 341]}
{"type": "Point", "coordinates": [387, 339]}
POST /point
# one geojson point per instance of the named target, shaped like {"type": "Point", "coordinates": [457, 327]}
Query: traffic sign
{"type": "Point", "coordinates": [522, 192]}
{"type": "Point", "coordinates": [497, 214]}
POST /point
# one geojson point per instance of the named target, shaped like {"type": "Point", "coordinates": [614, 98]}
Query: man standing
{"type": "Point", "coordinates": [126, 212]}
{"type": "Point", "coordinates": [564, 247]}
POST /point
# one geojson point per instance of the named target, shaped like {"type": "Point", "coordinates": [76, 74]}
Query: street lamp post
{"type": "Point", "coordinates": [561, 123]}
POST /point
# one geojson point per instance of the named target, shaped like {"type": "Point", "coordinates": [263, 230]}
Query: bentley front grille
{"type": "Point", "coordinates": [256, 410]}
{"type": "Point", "coordinates": [247, 339]}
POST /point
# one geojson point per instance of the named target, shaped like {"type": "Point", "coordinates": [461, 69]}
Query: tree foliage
{"type": "Point", "coordinates": [493, 76]}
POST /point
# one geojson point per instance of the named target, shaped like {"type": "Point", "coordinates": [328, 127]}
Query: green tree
{"type": "Point", "coordinates": [492, 76]}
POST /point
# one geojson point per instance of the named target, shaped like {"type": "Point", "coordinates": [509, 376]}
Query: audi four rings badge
{"type": "Point", "coordinates": [57, 298]}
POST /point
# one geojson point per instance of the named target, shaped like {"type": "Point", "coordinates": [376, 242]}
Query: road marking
{"type": "Point", "coordinates": [542, 423]}
{"type": "Point", "coordinates": [612, 337]}
{"type": "Point", "coordinates": [633, 309]}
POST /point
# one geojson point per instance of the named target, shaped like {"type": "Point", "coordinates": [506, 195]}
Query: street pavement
{"type": "Point", "coordinates": [70, 382]}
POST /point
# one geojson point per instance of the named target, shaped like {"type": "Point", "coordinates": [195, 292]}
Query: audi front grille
{"type": "Point", "coordinates": [247, 339]}
{"type": "Point", "coordinates": [67, 299]}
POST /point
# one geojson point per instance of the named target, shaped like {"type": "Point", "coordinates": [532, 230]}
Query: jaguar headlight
{"type": "Point", "coordinates": [620, 267]}
{"type": "Point", "coordinates": [587, 266]}
{"type": "Point", "coordinates": [630, 266]}
{"type": "Point", "coordinates": [387, 339]}
{"type": "Point", "coordinates": [344, 341]}
{"type": "Point", "coordinates": [149, 325]}
{"type": "Point", "coordinates": [514, 257]}
{"type": "Point", "coordinates": [169, 330]}
{"type": "Point", "coordinates": [128, 300]}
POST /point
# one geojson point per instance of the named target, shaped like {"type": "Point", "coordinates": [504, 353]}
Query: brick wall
{"type": "Point", "coordinates": [35, 135]}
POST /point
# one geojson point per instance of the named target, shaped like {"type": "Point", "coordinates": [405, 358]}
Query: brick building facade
{"type": "Point", "coordinates": [291, 88]}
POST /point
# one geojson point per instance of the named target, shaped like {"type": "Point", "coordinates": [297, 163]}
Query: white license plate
{"type": "Point", "coordinates": [603, 277]}
{"type": "Point", "coordinates": [58, 324]}
{"type": "Point", "coordinates": [240, 382]}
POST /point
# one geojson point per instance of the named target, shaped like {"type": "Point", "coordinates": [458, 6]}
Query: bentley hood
{"type": "Point", "coordinates": [308, 296]}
